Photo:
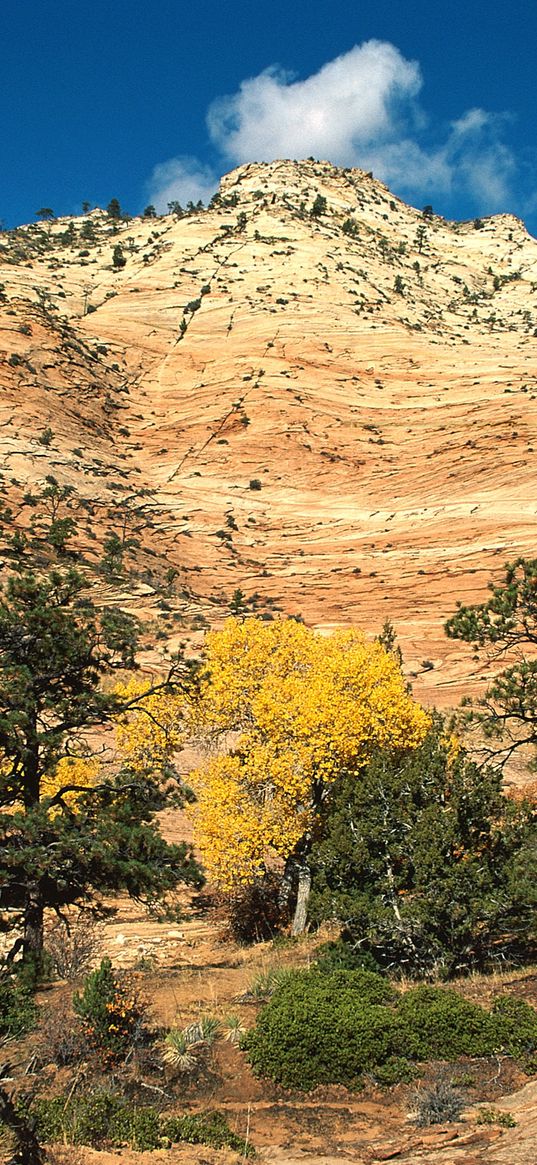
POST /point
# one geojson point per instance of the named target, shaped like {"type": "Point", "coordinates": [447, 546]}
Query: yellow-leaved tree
{"type": "Point", "coordinates": [152, 729]}
{"type": "Point", "coordinates": [288, 711]}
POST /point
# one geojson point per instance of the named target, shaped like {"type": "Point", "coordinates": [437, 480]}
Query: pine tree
{"type": "Point", "coordinates": [65, 838]}
{"type": "Point", "coordinates": [113, 209]}
{"type": "Point", "coordinates": [506, 626]}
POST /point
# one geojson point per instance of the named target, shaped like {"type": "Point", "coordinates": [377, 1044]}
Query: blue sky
{"type": "Point", "coordinates": [118, 98]}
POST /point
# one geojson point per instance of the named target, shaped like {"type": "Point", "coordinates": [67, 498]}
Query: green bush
{"type": "Point", "coordinates": [323, 1029]}
{"type": "Point", "coordinates": [209, 1128]}
{"type": "Point", "coordinates": [396, 1070]}
{"type": "Point", "coordinates": [102, 1118]}
{"type": "Point", "coordinates": [18, 1011]}
{"type": "Point", "coordinates": [331, 1028]}
{"type": "Point", "coordinates": [437, 1023]}
{"type": "Point", "coordinates": [515, 1024]}
{"type": "Point", "coordinates": [340, 955]}
{"type": "Point", "coordinates": [81, 1120]}
{"type": "Point", "coordinates": [495, 1116]}
{"type": "Point", "coordinates": [111, 1014]}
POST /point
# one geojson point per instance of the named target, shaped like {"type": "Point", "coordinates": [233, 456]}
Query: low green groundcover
{"type": "Point", "coordinates": [332, 1028]}
{"type": "Point", "coordinates": [101, 1118]}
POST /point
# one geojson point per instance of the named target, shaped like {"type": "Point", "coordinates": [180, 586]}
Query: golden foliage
{"type": "Point", "coordinates": [305, 707]}
{"type": "Point", "coordinates": [71, 771]}
{"type": "Point", "coordinates": [152, 729]}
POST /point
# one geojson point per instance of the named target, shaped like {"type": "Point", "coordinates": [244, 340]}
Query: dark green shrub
{"type": "Point", "coordinates": [350, 228]}
{"type": "Point", "coordinates": [396, 1070]}
{"type": "Point", "coordinates": [427, 863]}
{"type": "Point", "coordinates": [319, 206]}
{"type": "Point", "coordinates": [97, 1119]}
{"type": "Point", "coordinates": [100, 1118]}
{"type": "Point", "coordinates": [118, 258]}
{"type": "Point", "coordinates": [113, 209]}
{"type": "Point", "coordinates": [323, 1029]}
{"type": "Point", "coordinates": [515, 1025]}
{"type": "Point", "coordinates": [341, 955]}
{"type": "Point", "coordinates": [331, 1028]}
{"type": "Point", "coordinates": [438, 1023]}
{"type": "Point", "coordinates": [81, 1120]}
{"type": "Point", "coordinates": [18, 1011]}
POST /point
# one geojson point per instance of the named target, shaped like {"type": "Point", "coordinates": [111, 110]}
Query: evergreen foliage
{"type": "Point", "coordinates": [17, 1008]}
{"type": "Point", "coordinates": [114, 210]}
{"type": "Point", "coordinates": [506, 624]}
{"type": "Point", "coordinates": [111, 1013]}
{"type": "Point", "coordinates": [331, 1028]}
{"type": "Point", "coordinates": [319, 206]}
{"type": "Point", "coordinates": [65, 838]}
{"type": "Point", "coordinates": [118, 258]}
{"type": "Point", "coordinates": [426, 863]}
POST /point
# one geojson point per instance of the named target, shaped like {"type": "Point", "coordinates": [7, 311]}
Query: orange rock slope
{"type": "Point", "coordinates": [334, 411]}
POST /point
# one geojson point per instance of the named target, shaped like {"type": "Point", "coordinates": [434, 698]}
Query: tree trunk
{"type": "Point", "coordinates": [32, 943]}
{"type": "Point", "coordinates": [302, 898]}
{"type": "Point", "coordinates": [32, 939]}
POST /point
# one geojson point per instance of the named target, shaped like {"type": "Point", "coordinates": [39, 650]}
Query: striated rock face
{"type": "Point", "coordinates": [335, 411]}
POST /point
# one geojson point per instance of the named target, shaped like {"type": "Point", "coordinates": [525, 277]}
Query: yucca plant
{"type": "Point", "coordinates": [182, 1045]}
{"type": "Point", "coordinates": [178, 1051]}
{"type": "Point", "coordinates": [204, 1031]}
{"type": "Point", "coordinates": [265, 984]}
{"type": "Point", "coordinates": [234, 1029]}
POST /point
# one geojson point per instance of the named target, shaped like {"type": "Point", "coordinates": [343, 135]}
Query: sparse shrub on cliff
{"type": "Point", "coordinates": [114, 210]}
{"type": "Point", "coordinates": [349, 227]}
{"type": "Point", "coordinates": [319, 206]}
{"type": "Point", "coordinates": [118, 258]}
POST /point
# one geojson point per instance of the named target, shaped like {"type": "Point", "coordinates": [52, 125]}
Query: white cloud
{"type": "Point", "coordinates": [472, 160]}
{"type": "Point", "coordinates": [332, 114]}
{"type": "Point", "coordinates": [361, 109]}
{"type": "Point", "coordinates": [181, 179]}
{"type": "Point", "coordinates": [476, 152]}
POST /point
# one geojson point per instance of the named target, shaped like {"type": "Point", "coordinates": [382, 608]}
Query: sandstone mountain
{"type": "Point", "coordinates": [310, 392]}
